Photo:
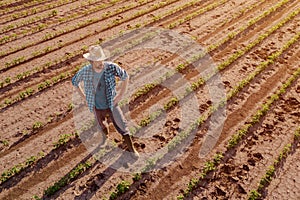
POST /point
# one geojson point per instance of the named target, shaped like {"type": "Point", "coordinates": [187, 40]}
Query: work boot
{"type": "Point", "coordinates": [130, 146]}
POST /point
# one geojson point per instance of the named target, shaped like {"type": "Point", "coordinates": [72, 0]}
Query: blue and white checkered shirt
{"type": "Point", "coordinates": [86, 74]}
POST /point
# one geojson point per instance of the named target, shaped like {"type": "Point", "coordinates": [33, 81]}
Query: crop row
{"type": "Point", "coordinates": [250, 23]}
{"type": "Point", "coordinates": [143, 122]}
{"type": "Point", "coordinates": [37, 126]}
{"type": "Point", "coordinates": [18, 168]}
{"type": "Point", "coordinates": [195, 85]}
{"type": "Point", "coordinates": [47, 83]}
{"type": "Point", "coordinates": [198, 83]}
{"type": "Point", "coordinates": [40, 27]}
{"type": "Point", "coordinates": [32, 11]}
{"type": "Point", "coordinates": [42, 86]}
{"type": "Point", "coordinates": [196, 13]}
{"type": "Point", "coordinates": [66, 19]}
{"type": "Point", "coordinates": [81, 167]}
{"type": "Point", "coordinates": [230, 36]}
{"type": "Point", "coordinates": [270, 173]}
{"type": "Point", "coordinates": [8, 2]}
{"type": "Point", "coordinates": [27, 22]}
{"type": "Point", "coordinates": [241, 13]}
{"type": "Point", "coordinates": [49, 36]}
{"type": "Point", "coordinates": [17, 61]}
{"type": "Point", "coordinates": [210, 165]}
{"type": "Point", "coordinates": [241, 133]}
{"type": "Point", "coordinates": [124, 184]}
{"type": "Point", "coordinates": [151, 163]}
{"type": "Point", "coordinates": [7, 174]}
{"type": "Point", "coordinates": [28, 73]}
{"type": "Point", "coordinates": [180, 67]}
{"type": "Point", "coordinates": [43, 26]}
{"type": "Point", "coordinates": [52, 13]}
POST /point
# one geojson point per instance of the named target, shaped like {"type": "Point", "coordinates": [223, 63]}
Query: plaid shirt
{"type": "Point", "coordinates": [86, 75]}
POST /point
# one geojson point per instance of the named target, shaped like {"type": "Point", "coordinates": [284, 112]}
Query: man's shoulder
{"type": "Point", "coordinates": [86, 68]}
{"type": "Point", "coordinates": [110, 66]}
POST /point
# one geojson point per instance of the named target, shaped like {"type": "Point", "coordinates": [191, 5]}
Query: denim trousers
{"type": "Point", "coordinates": [116, 116]}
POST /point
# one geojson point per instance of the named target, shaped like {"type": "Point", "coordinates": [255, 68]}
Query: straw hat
{"type": "Point", "coordinates": [95, 53]}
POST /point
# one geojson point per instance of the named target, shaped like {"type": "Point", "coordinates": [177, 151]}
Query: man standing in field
{"type": "Point", "coordinates": [100, 91]}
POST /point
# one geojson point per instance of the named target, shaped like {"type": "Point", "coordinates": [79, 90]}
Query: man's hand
{"type": "Point", "coordinates": [81, 93]}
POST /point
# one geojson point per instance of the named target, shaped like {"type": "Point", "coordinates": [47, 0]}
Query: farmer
{"type": "Point", "coordinates": [100, 91]}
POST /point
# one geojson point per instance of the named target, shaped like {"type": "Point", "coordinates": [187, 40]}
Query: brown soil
{"type": "Point", "coordinates": [243, 167]}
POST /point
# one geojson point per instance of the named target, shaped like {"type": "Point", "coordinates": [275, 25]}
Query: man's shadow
{"type": "Point", "coordinates": [115, 159]}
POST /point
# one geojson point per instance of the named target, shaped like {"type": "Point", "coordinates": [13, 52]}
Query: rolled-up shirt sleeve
{"type": "Point", "coordinates": [77, 78]}
{"type": "Point", "coordinates": [120, 72]}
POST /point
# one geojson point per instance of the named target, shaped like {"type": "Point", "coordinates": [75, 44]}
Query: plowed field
{"type": "Point", "coordinates": [251, 50]}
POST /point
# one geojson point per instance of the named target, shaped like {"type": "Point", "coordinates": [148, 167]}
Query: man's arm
{"type": "Point", "coordinates": [78, 77]}
{"type": "Point", "coordinates": [80, 91]}
{"type": "Point", "coordinates": [123, 88]}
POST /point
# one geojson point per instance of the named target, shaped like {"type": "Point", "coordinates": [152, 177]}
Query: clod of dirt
{"type": "Point", "coordinates": [233, 179]}
{"type": "Point", "coordinates": [177, 120]}
{"type": "Point", "coordinates": [203, 107]}
{"type": "Point", "coordinates": [258, 156]}
{"type": "Point", "coordinates": [160, 137]}
{"type": "Point", "coordinates": [227, 169]}
{"type": "Point", "coordinates": [136, 145]}
{"type": "Point", "coordinates": [251, 161]}
{"type": "Point", "coordinates": [220, 191]}
{"type": "Point", "coordinates": [175, 127]}
{"type": "Point", "coordinates": [296, 114]}
{"type": "Point", "coordinates": [241, 189]}
{"type": "Point", "coordinates": [227, 84]}
{"type": "Point", "coordinates": [139, 145]}
{"type": "Point", "coordinates": [142, 188]}
{"type": "Point", "coordinates": [246, 167]}
{"type": "Point", "coordinates": [116, 140]}
{"type": "Point", "coordinates": [293, 102]}
{"type": "Point", "coordinates": [298, 89]}
{"type": "Point", "coordinates": [168, 123]}
{"type": "Point", "coordinates": [281, 118]}
{"type": "Point", "coordinates": [268, 126]}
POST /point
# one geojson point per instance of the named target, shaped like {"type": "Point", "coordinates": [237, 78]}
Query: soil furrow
{"type": "Point", "coordinates": [46, 17]}
{"type": "Point", "coordinates": [186, 167]}
{"type": "Point", "coordinates": [237, 24]}
{"type": "Point", "coordinates": [55, 23]}
{"type": "Point", "coordinates": [259, 28]}
{"type": "Point", "coordinates": [11, 16]}
{"type": "Point", "coordinates": [199, 5]}
{"type": "Point", "coordinates": [236, 17]}
{"type": "Point", "coordinates": [35, 109]}
{"type": "Point", "coordinates": [242, 172]}
{"type": "Point", "coordinates": [18, 90]}
{"type": "Point", "coordinates": [36, 183]}
{"type": "Point", "coordinates": [43, 141]}
{"type": "Point", "coordinates": [248, 62]}
{"type": "Point", "coordinates": [74, 25]}
{"type": "Point", "coordinates": [100, 180]}
{"type": "Point", "coordinates": [244, 50]}
{"type": "Point", "coordinates": [285, 184]}
{"type": "Point", "coordinates": [94, 35]}
{"type": "Point", "coordinates": [238, 72]}
{"type": "Point", "coordinates": [10, 3]}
